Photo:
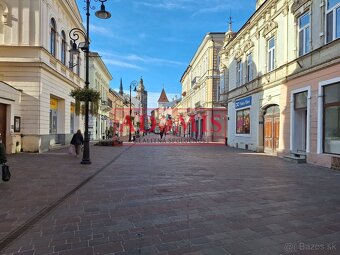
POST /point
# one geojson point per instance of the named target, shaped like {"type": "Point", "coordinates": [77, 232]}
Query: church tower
{"type": "Point", "coordinates": [121, 92]}
{"type": "Point", "coordinates": [163, 99]}
{"type": "Point", "coordinates": [142, 96]}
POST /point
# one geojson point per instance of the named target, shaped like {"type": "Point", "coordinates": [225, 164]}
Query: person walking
{"type": "Point", "coordinates": [77, 141]}
{"type": "Point", "coordinates": [3, 158]}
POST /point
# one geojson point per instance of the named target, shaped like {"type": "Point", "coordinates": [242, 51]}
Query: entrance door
{"type": "Point", "coordinates": [300, 122]}
{"type": "Point", "coordinates": [3, 118]}
{"type": "Point", "coordinates": [271, 129]}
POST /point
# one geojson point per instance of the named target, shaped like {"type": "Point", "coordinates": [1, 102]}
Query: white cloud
{"type": "Point", "coordinates": [120, 63]}
{"type": "Point", "coordinates": [134, 61]}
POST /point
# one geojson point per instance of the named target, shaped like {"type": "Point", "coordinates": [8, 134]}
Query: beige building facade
{"type": "Point", "coordinates": [280, 80]}
{"type": "Point", "coordinates": [34, 44]}
{"type": "Point", "coordinates": [100, 79]}
{"type": "Point", "coordinates": [203, 119]}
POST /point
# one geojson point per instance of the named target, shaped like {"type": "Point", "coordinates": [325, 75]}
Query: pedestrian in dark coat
{"type": "Point", "coordinates": [3, 158]}
{"type": "Point", "coordinates": [77, 141]}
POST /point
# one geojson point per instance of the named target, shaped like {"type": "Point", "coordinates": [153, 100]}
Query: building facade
{"type": "Point", "coordinates": [34, 44]}
{"type": "Point", "coordinates": [280, 80]}
{"type": "Point", "coordinates": [203, 119]}
{"type": "Point", "coordinates": [142, 97]}
{"type": "Point", "coordinates": [100, 77]}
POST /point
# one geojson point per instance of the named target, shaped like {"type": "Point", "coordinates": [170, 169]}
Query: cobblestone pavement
{"type": "Point", "coordinates": [206, 199]}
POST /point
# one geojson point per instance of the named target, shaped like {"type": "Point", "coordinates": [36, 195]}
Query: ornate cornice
{"type": "Point", "coordinates": [238, 53]}
{"type": "Point", "coordinates": [247, 45]}
{"type": "Point", "coordinates": [297, 4]}
{"type": "Point", "coordinates": [270, 26]}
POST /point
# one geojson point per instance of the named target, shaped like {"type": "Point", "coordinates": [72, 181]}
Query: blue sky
{"type": "Point", "coordinates": [156, 39]}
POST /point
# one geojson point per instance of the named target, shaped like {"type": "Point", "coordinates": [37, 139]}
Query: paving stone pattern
{"type": "Point", "coordinates": [207, 200]}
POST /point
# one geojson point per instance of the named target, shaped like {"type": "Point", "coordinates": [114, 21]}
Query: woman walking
{"type": "Point", "coordinates": [77, 141]}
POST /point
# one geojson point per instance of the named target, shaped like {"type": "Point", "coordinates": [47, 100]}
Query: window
{"type": "Point", "coordinates": [300, 100]}
{"type": "Point", "coordinates": [332, 20]}
{"type": "Point", "coordinates": [53, 37]}
{"type": "Point", "coordinates": [243, 121]}
{"type": "Point", "coordinates": [304, 34]}
{"type": "Point", "coordinates": [331, 120]}
{"type": "Point", "coordinates": [271, 54]}
{"type": "Point", "coordinates": [249, 67]}
{"type": "Point", "coordinates": [63, 47]}
{"type": "Point", "coordinates": [239, 73]}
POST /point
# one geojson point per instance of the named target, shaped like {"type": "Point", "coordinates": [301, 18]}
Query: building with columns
{"type": "Point", "coordinates": [35, 63]}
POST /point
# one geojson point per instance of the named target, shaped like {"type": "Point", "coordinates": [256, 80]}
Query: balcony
{"type": "Point", "coordinates": [198, 105]}
{"type": "Point", "coordinates": [104, 106]}
{"type": "Point", "coordinates": [194, 83]}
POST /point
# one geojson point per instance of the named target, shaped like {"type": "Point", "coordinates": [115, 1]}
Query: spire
{"type": "Point", "coordinates": [141, 85]}
{"type": "Point", "coordinates": [121, 87]}
{"type": "Point", "coordinates": [163, 98]}
{"type": "Point", "coordinates": [230, 22]}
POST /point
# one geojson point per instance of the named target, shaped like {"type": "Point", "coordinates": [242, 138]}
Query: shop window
{"type": "Point", "coordinates": [243, 121]}
{"type": "Point", "coordinates": [331, 120]}
{"type": "Point", "coordinates": [72, 119]}
{"type": "Point", "coordinates": [332, 20]}
{"type": "Point", "coordinates": [53, 115]}
{"type": "Point", "coordinates": [304, 34]}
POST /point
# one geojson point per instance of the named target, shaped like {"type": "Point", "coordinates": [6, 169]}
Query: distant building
{"type": "Point", "coordinates": [142, 97]}
{"type": "Point", "coordinates": [100, 78]}
{"type": "Point", "coordinates": [163, 99]}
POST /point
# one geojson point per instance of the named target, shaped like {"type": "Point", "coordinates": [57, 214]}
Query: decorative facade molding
{"type": "Point", "coordinates": [238, 53]}
{"type": "Point", "coordinates": [297, 4]}
{"type": "Point", "coordinates": [247, 45]}
{"type": "Point", "coordinates": [270, 26]}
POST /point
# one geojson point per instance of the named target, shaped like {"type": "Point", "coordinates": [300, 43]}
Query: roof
{"type": "Point", "coordinates": [163, 98]}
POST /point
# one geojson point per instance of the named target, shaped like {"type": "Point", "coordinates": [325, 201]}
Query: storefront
{"type": "Point", "coordinates": [313, 104]}
{"type": "Point", "coordinates": [242, 123]}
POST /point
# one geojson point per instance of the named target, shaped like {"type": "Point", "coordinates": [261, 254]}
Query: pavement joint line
{"type": "Point", "coordinates": [19, 231]}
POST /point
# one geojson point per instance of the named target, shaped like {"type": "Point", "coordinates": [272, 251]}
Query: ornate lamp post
{"type": "Point", "coordinates": [85, 46]}
{"type": "Point", "coordinates": [134, 85]}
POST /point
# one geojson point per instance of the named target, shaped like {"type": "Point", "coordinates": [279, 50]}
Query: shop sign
{"type": "Point", "coordinates": [243, 102]}
{"type": "Point", "coordinates": [53, 104]}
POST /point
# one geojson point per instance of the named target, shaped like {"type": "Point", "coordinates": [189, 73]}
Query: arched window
{"type": "Point", "coordinates": [63, 47]}
{"type": "Point", "coordinates": [53, 37]}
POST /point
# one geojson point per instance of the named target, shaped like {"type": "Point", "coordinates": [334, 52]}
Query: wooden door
{"type": "Point", "coordinates": [3, 117]}
{"type": "Point", "coordinates": [271, 129]}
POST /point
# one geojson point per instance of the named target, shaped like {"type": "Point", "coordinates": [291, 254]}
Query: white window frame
{"type": "Point", "coordinates": [292, 116]}
{"type": "Point", "coordinates": [303, 30]}
{"type": "Point", "coordinates": [271, 55]}
{"type": "Point", "coordinates": [333, 9]}
{"type": "Point", "coordinates": [239, 73]}
{"type": "Point", "coordinates": [320, 113]}
{"type": "Point", "coordinates": [249, 67]}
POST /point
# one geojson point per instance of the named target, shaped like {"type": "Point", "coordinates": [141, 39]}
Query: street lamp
{"type": "Point", "coordinates": [134, 85]}
{"type": "Point", "coordinates": [85, 47]}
